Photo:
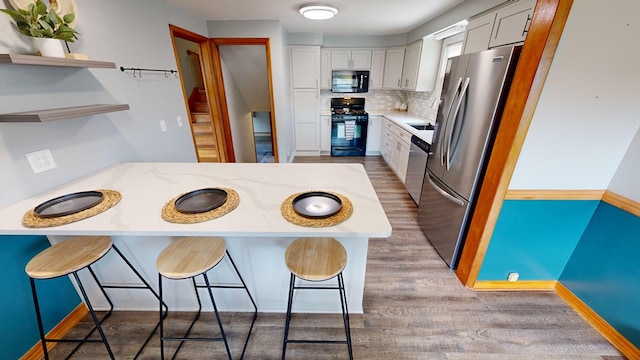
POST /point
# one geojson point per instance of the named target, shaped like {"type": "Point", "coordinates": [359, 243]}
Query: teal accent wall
{"type": "Point", "coordinates": [535, 238]}
{"type": "Point", "coordinates": [18, 325]}
{"type": "Point", "coordinates": [604, 270]}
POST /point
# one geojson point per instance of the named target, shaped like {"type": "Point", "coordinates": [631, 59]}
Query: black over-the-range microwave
{"type": "Point", "coordinates": [348, 81]}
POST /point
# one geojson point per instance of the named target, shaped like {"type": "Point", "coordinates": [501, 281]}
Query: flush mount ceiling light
{"type": "Point", "coordinates": [318, 12]}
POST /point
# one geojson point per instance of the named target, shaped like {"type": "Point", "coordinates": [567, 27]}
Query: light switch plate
{"type": "Point", "coordinates": [163, 125]}
{"type": "Point", "coordinates": [41, 161]}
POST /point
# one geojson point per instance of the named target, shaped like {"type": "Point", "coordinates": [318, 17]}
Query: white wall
{"type": "Point", "coordinates": [129, 33]}
{"type": "Point", "coordinates": [240, 119]}
{"type": "Point", "coordinates": [186, 64]}
{"type": "Point", "coordinates": [273, 30]}
{"type": "Point", "coordinates": [588, 111]}
{"type": "Point", "coordinates": [625, 180]}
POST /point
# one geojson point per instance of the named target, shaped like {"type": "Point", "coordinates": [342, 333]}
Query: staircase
{"type": "Point", "coordinates": [202, 127]}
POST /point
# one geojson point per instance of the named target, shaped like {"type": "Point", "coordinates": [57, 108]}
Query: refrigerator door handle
{"type": "Point", "coordinates": [446, 118]}
{"type": "Point", "coordinates": [444, 193]}
{"type": "Point", "coordinates": [452, 124]}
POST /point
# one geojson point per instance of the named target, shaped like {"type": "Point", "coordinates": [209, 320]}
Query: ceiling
{"type": "Point", "coordinates": [355, 17]}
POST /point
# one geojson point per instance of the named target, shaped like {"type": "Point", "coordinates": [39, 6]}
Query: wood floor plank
{"type": "Point", "coordinates": [414, 308]}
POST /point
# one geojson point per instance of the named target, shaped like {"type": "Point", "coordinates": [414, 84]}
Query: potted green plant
{"type": "Point", "coordinates": [42, 23]}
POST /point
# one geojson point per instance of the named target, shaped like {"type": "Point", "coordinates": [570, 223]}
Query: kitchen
{"type": "Point", "coordinates": [79, 144]}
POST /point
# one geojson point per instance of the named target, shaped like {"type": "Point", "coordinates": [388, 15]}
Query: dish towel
{"type": "Point", "coordinates": [349, 129]}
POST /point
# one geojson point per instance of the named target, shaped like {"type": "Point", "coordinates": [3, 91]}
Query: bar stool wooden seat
{"type": "Point", "coordinates": [317, 259]}
{"type": "Point", "coordinates": [186, 259]}
{"type": "Point", "coordinates": [67, 258]}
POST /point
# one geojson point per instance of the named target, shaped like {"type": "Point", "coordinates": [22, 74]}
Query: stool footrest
{"type": "Point", "coordinates": [316, 287]}
{"type": "Point", "coordinates": [191, 339]}
{"type": "Point", "coordinates": [317, 341]}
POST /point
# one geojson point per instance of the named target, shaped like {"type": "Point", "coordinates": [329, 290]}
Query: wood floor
{"type": "Point", "coordinates": [414, 308]}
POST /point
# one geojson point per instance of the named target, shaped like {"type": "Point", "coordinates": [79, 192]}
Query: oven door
{"type": "Point", "coordinates": [348, 136]}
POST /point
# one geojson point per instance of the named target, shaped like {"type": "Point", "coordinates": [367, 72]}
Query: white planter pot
{"type": "Point", "coordinates": [49, 47]}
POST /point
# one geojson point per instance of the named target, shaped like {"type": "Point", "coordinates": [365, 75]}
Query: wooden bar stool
{"type": "Point", "coordinates": [67, 258]}
{"type": "Point", "coordinates": [317, 259]}
{"type": "Point", "coordinates": [188, 258]}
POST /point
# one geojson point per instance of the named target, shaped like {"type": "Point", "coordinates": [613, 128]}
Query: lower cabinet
{"type": "Point", "coordinates": [306, 120]}
{"type": "Point", "coordinates": [394, 148]}
{"type": "Point", "coordinates": [325, 133]}
{"type": "Point", "coordinates": [374, 132]}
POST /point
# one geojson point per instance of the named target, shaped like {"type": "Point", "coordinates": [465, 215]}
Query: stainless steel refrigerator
{"type": "Point", "coordinates": [473, 95]}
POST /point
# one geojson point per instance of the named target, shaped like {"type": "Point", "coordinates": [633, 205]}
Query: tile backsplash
{"type": "Point", "coordinates": [418, 103]}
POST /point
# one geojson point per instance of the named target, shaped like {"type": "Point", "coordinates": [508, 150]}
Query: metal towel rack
{"type": "Point", "coordinates": [140, 70]}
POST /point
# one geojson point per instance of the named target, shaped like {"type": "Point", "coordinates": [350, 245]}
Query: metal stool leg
{"type": "Point", "coordinates": [255, 307]}
{"type": "Point", "coordinates": [345, 313]}
{"type": "Point", "coordinates": [93, 315]}
{"type": "Point", "coordinates": [161, 320]}
{"type": "Point", "coordinates": [288, 319]}
{"type": "Point", "coordinates": [215, 309]}
{"type": "Point", "coordinates": [39, 317]}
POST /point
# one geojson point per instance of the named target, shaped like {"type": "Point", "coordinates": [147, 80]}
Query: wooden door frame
{"type": "Point", "coordinates": [206, 63]}
{"type": "Point", "coordinates": [221, 94]}
{"type": "Point", "coordinates": [546, 27]}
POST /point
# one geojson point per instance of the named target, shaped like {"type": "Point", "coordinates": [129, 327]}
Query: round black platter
{"type": "Point", "coordinates": [199, 201]}
{"type": "Point", "coordinates": [316, 204]}
{"type": "Point", "coordinates": [68, 204]}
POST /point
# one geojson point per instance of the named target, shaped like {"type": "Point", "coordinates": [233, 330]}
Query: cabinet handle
{"type": "Point", "coordinates": [526, 25]}
{"type": "Point", "coordinates": [406, 82]}
{"type": "Point", "coordinates": [399, 82]}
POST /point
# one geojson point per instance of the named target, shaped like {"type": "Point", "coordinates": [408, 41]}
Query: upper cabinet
{"type": "Point", "coordinates": [421, 61]}
{"type": "Point", "coordinates": [342, 59]}
{"type": "Point", "coordinates": [325, 69]}
{"type": "Point", "coordinates": [507, 25]}
{"type": "Point", "coordinates": [305, 67]}
{"type": "Point", "coordinates": [478, 33]}
{"type": "Point", "coordinates": [376, 76]}
{"type": "Point", "coordinates": [512, 23]}
{"type": "Point", "coordinates": [394, 59]}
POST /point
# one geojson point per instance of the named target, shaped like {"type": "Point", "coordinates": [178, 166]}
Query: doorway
{"type": "Point", "coordinates": [193, 57]}
{"type": "Point", "coordinates": [242, 70]}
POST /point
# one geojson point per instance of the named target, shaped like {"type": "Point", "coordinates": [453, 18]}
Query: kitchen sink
{"type": "Point", "coordinates": [422, 126]}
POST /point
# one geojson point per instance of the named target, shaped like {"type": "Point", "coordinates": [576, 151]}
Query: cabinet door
{"type": "Point", "coordinates": [410, 66]}
{"type": "Point", "coordinates": [403, 161]}
{"type": "Point", "coordinates": [394, 60]}
{"type": "Point", "coordinates": [325, 133]}
{"type": "Point", "coordinates": [377, 69]}
{"type": "Point", "coordinates": [512, 23]}
{"type": "Point", "coordinates": [340, 59]}
{"type": "Point", "coordinates": [305, 67]}
{"type": "Point", "coordinates": [478, 33]}
{"type": "Point", "coordinates": [374, 132]}
{"type": "Point", "coordinates": [361, 59]}
{"type": "Point", "coordinates": [325, 69]}
{"type": "Point", "coordinates": [306, 119]}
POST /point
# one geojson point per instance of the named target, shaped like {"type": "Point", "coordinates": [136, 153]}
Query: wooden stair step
{"type": "Point", "coordinates": [200, 118]}
{"type": "Point", "coordinates": [199, 106]}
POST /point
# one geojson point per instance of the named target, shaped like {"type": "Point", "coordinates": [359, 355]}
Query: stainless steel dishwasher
{"type": "Point", "coordinates": [416, 167]}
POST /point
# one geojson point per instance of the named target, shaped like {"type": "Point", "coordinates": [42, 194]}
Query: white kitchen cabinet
{"type": "Point", "coordinates": [325, 70]}
{"type": "Point", "coordinates": [512, 23]}
{"type": "Point", "coordinates": [376, 75]}
{"type": "Point", "coordinates": [344, 59]}
{"type": "Point", "coordinates": [306, 116]}
{"type": "Point", "coordinates": [395, 148]}
{"type": "Point", "coordinates": [506, 25]}
{"type": "Point", "coordinates": [478, 33]}
{"type": "Point", "coordinates": [421, 63]}
{"type": "Point", "coordinates": [374, 132]}
{"type": "Point", "coordinates": [394, 60]}
{"type": "Point", "coordinates": [305, 67]}
{"type": "Point", "coordinates": [325, 133]}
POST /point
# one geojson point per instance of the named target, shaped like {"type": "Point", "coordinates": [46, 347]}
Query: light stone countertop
{"type": "Point", "coordinates": [146, 187]}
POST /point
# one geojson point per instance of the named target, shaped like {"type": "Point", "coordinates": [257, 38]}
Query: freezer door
{"type": "Point", "coordinates": [469, 132]}
{"type": "Point", "coordinates": [455, 71]}
{"type": "Point", "coordinates": [442, 216]}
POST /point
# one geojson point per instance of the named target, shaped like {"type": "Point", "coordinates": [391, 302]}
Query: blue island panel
{"type": "Point", "coordinates": [604, 270]}
{"type": "Point", "coordinates": [18, 325]}
{"type": "Point", "coordinates": [535, 238]}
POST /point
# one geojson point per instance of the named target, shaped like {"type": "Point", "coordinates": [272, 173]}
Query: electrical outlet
{"type": "Point", "coordinates": [513, 276]}
{"type": "Point", "coordinates": [41, 161]}
{"type": "Point", "coordinates": [179, 119]}
{"type": "Point", "coordinates": [163, 125]}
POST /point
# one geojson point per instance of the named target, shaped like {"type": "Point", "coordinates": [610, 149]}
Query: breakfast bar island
{"type": "Point", "coordinates": [256, 231]}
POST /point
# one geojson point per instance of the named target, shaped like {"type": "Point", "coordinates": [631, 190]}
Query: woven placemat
{"type": "Point", "coordinates": [109, 199]}
{"type": "Point", "coordinates": [291, 216]}
{"type": "Point", "coordinates": [170, 214]}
